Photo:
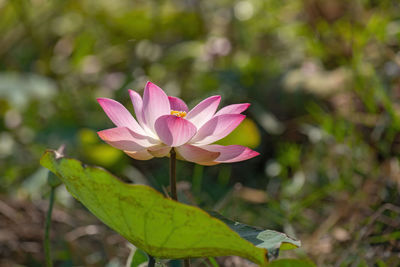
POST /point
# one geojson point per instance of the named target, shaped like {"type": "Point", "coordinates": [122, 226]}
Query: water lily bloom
{"type": "Point", "coordinates": [164, 122]}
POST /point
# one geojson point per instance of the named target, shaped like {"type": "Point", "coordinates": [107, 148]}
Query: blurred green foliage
{"type": "Point", "coordinates": [323, 78]}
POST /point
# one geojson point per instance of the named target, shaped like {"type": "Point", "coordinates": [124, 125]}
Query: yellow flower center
{"type": "Point", "coordinates": [181, 114]}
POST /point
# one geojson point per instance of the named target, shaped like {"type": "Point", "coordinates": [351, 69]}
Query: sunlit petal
{"type": "Point", "coordinates": [196, 154]}
{"type": "Point", "coordinates": [232, 153]}
{"type": "Point", "coordinates": [155, 104]}
{"type": "Point", "coordinates": [174, 131]}
{"type": "Point", "coordinates": [139, 155]}
{"type": "Point", "coordinates": [233, 109]}
{"type": "Point", "coordinates": [204, 111]}
{"type": "Point", "coordinates": [123, 138]}
{"type": "Point", "coordinates": [177, 104]}
{"type": "Point", "coordinates": [217, 128]}
{"type": "Point", "coordinates": [159, 151]}
{"type": "Point", "coordinates": [119, 115]}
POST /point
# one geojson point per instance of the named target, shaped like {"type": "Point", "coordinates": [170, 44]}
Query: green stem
{"type": "Point", "coordinates": [47, 245]}
{"type": "Point", "coordinates": [172, 181]}
{"type": "Point", "coordinates": [172, 174]}
{"type": "Point", "coordinates": [152, 261]}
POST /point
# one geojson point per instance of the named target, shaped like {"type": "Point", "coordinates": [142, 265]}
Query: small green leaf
{"type": "Point", "coordinates": [162, 227]}
{"type": "Point", "coordinates": [138, 258]}
{"type": "Point", "coordinates": [213, 262]}
{"type": "Point", "coordinates": [271, 240]}
{"type": "Point", "coordinates": [291, 263]}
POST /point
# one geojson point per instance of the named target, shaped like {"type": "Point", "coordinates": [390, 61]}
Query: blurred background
{"type": "Point", "coordinates": [323, 78]}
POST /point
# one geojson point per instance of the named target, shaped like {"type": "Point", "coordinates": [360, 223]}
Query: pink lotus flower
{"type": "Point", "coordinates": [163, 122]}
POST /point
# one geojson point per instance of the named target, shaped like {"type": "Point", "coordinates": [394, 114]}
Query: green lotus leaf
{"type": "Point", "coordinates": [160, 226]}
{"type": "Point", "coordinates": [291, 263]}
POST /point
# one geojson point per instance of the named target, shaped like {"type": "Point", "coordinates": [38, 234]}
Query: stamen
{"type": "Point", "coordinates": [181, 114]}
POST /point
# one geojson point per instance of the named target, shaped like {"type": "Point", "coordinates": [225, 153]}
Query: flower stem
{"type": "Point", "coordinates": [172, 181]}
{"type": "Point", "coordinates": [172, 174]}
{"type": "Point", "coordinates": [152, 261]}
{"type": "Point", "coordinates": [47, 245]}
